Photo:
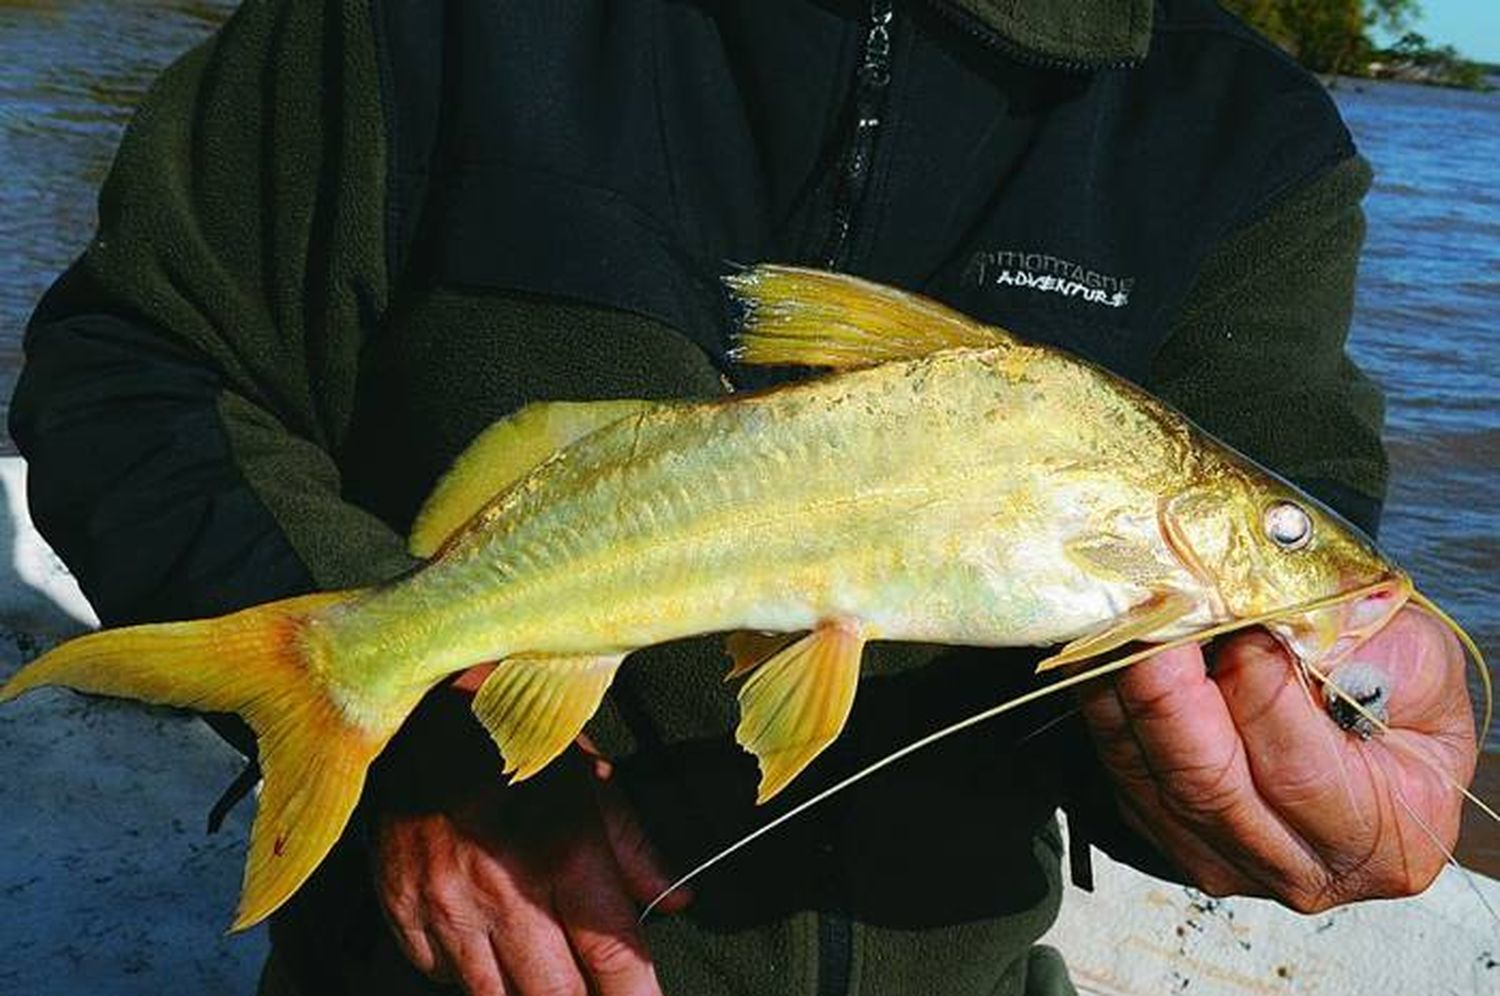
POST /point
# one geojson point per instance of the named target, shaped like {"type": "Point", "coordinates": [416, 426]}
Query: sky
{"type": "Point", "coordinates": [1471, 26]}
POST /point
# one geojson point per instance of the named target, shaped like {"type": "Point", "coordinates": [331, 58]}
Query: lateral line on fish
{"type": "Point", "coordinates": [1015, 703]}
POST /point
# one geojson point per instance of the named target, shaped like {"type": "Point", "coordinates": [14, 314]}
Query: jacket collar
{"type": "Point", "coordinates": [1067, 34]}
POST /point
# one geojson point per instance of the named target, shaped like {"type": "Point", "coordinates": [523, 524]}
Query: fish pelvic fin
{"type": "Point", "coordinates": [503, 454]}
{"type": "Point", "coordinates": [796, 703]}
{"type": "Point", "coordinates": [535, 706]}
{"type": "Point", "coordinates": [793, 316]}
{"type": "Point", "coordinates": [256, 663]}
{"type": "Point", "coordinates": [749, 649]}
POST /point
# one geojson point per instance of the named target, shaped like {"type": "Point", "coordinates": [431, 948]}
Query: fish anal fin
{"type": "Point", "coordinates": [1155, 613]}
{"type": "Point", "coordinates": [535, 706]}
{"type": "Point", "coordinates": [503, 454]}
{"type": "Point", "coordinates": [797, 702]}
{"type": "Point", "coordinates": [749, 648]}
{"type": "Point", "coordinates": [802, 317]}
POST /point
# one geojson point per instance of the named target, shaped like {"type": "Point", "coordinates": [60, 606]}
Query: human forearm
{"type": "Point", "coordinates": [137, 479]}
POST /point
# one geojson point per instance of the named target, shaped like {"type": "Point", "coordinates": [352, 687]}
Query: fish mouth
{"type": "Point", "coordinates": [1324, 634]}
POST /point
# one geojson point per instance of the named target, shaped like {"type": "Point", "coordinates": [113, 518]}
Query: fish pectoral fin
{"type": "Point", "coordinates": [748, 649]}
{"type": "Point", "coordinates": [800, 317]}
{"type": "Point", "coordinates": [534, 706]}
{"type": "Point", "coordinates": [1113, 557]}
{"type": "Point", "coordinates": [1155, 613]}
{"type": "Point", "coordinates": [503, 454]}
{"type": "Point", "coordinates": [795, 704]}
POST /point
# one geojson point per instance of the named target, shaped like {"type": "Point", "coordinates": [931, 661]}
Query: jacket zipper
{"type": "Point", "coordinates": [870, 84]}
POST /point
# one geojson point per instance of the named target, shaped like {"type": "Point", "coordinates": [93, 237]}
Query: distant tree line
{"type": "Point", "coordinates": [1334, 37]}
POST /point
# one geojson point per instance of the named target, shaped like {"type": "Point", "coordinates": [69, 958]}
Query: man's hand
{"type": "Point", "coordinates": [1247, 785]}
{"type": "Point", "coordinates": [525, 890]}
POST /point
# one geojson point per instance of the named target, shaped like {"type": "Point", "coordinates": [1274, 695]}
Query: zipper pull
{"type": "Point", "coordinates": [875, 69]}
{"type": "Point", "coordinates": [870, 82]}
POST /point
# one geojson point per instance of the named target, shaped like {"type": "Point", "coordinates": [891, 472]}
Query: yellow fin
{"type": "Point", "coordinates": [748, 649]}
{"type": "Point", "coordinates": [1119, 558]}
{"type": "Point", "coordinates": [796, 703]}
{"type": "Point", "coordinates": [535, 706]}
{"type": "Point", "coordinates": [255, 663]}
{"type": "Point", "coordinates": [501, 455]}
{"type": "Point", "coordinates": [814, 318]}
{"type": "Point", "coordinates": [1141, 621]}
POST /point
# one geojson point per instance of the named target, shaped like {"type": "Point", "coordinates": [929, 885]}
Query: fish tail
{"type": "Point", "coordinates": [259, 664]}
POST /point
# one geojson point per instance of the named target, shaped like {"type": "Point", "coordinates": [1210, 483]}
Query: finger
{"type": "Point", "coordinates": [421, 950]}
{"type": "Point", "coordinates": [1302, 765]}
{"type": "Point", "coordinates": [441, 969]}
{"type": "Point", "coordinates": [600, 921]}
{"type": "Point", "coordinates": [1203, 771]}
{"type": "Point", "coordinates": [1429, 750]}
{"type": "Point", "coordinates": [1139, 798]}
{"type": "Point", "coordinates": [1376, 813]}
{"type": "Point", "coordinates": [1369, 816]}
{"type": "Point", "coordinates": [1179, 719]}
{"type": "Point", "coordinates": [644, 872]}
{"type": "Point", "coordinates": [471, 679]}
{"type": "Point", "coordinates": [472, 962]}
{"type": "Point", "coordinates": [532, 949]}
{"type": "Point", "coordinates": [1425, 665]}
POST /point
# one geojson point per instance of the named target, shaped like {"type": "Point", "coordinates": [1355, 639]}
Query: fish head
{"type": "Point", "coordinates": [1275, 556]}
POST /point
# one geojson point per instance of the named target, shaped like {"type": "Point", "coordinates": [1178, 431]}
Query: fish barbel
{"type": "Point", "coordinates": [949, 484]}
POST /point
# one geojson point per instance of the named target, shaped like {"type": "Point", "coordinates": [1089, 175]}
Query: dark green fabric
{"type": "Point", "coordinates": [261, 247]}
{"type": "Point", "coordinates": [1048, 973]}
{"type": "Point", "coordinates": [1088, 34]}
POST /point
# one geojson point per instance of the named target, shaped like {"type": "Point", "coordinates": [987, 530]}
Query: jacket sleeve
{"type": "Point", "coordinates": [188, 379]}
{"type": "Point", "coordinates": [1258, 355]}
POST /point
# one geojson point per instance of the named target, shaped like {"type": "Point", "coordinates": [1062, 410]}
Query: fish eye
{"type": "Point", "coordinates": [1288, 525]}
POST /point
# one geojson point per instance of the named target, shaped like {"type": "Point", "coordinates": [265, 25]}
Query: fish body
{"type": "Point", "coordinates": [948, 484]}
{"type": "Point", "coordinates": [932, 499]}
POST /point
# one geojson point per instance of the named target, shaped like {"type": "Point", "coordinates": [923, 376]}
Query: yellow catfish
{"type": "Point", "coordinates": [949, 484]}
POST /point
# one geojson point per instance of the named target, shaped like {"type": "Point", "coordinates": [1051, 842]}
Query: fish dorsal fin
{"type": "Point", "coordinates": [800, 317]}
{"type": "Point", "coordinates": [534, 706]}
{"type": "Point", "coordinates": [797, 702]}
{"type": "Point", "coordinates": [503, 454]}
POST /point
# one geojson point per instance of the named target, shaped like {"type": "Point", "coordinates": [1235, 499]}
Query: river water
{"type": "Point", "coordinates": [1425, 325]}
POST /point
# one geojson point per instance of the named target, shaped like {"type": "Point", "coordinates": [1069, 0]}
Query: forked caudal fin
{"type": "Point", "coordinates": [254, 663]}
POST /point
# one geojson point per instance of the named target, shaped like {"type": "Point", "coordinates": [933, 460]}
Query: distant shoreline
{"type": "Point", "coordinates": [1480, 77]}
{"type": "Point", "coordinates": [1342, 80]}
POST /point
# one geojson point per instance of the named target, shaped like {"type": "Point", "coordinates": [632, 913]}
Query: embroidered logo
{"type": "Point", "coordinates": [1047, 274]}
